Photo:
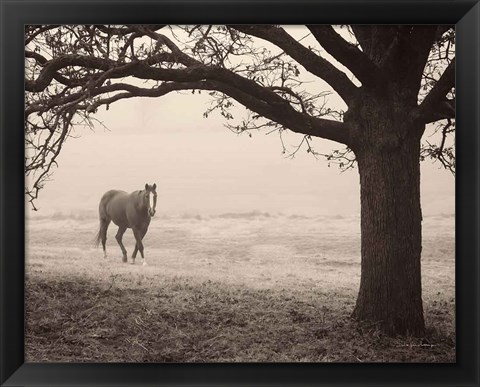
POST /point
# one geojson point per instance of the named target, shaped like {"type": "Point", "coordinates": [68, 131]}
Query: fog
{"type": "Point", "coordinates": [201, 167]}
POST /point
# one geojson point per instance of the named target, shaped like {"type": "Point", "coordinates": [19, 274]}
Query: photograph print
{"type": "Point", "coordinates": [240, 193]}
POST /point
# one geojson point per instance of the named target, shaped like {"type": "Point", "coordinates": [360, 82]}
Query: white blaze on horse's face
{"type": "Point", "coordinates": [154, 194]}
{"type": "Point", "coordinates": [151, 190]}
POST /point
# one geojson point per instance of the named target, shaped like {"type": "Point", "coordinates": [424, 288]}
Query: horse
{"type": "Point", "coordinates": [127, 210]}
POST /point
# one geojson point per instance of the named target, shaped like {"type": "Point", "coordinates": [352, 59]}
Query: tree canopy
{"type": "Point", "coordinates": [286, 77]}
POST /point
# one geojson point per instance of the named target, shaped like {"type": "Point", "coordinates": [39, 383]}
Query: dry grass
{"type": "Point", "coordinates": [231, 288]}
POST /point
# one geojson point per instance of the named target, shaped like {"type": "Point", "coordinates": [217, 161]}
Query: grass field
{"type": "Point", "coordinates": [229, 288]}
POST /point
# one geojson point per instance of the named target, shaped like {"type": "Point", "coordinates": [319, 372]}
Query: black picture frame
{"type": "Point", "coordinates": [465, 14]}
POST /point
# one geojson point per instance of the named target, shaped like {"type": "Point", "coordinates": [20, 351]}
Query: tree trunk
{"type": "Point", "coordinates": [390, 287]}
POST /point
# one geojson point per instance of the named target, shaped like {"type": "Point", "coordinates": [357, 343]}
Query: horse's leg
{"type": "Point", "coordinates": [134, 255]}
{"type": "Point", "coordinates": [139, 234]}
{"type": "Point", "coordinates": [118, 237]}
{"type": "Point", "coordinates": [103, 234]}
{"type": "Point", "coordinates": [135, 250]}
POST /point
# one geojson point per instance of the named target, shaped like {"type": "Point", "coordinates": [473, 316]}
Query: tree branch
{"type": "Point", "coordinates": [134, 91]}
{"type": "Point", "coordinates": [417, 47]}
{"type": "Point", "coordinates": [32, 31]}
{"type": "Point", "coordinates": [438, 94]}
{"type": "Point", "coordinates": [142, 70]}
{"type": "Point", "coordinates": [443, 110]}
{"type": "Point", "coordinates": [259, 99]}
{"type": "Point", "coordinates": [347, 54]}
{"type": "Point", "coordinates": [285, 115]}
{"type": "Point", "coordinates": [307, 58]}
{"type": "Point", "coordinates": [365, 36]}
{"type": "Point", "coordinates": [41, 60]}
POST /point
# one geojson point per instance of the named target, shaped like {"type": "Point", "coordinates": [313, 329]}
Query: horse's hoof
{"type": "Point", "coordinates": [144, 263]}
{"type": "Point", "coordinates": [132, 263]}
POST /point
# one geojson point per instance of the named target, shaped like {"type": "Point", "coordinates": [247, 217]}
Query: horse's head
{"type": "Point", "coordinates": [150, 190]}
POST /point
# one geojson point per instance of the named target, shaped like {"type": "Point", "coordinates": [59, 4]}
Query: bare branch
{"type": "Point", "coordinates": [347, 54]}
{"type": "Point", "coordinates": [307, 58]}
{"type": "Point", "coordinates": [443, 110]}
{"type": "Point", "coordinates": [434, 101]}
{"type": "Point", "coordinates": [444, 152]}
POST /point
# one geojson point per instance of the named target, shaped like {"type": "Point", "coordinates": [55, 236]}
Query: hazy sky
{"type": "Point", "coordinates": [202, 167]}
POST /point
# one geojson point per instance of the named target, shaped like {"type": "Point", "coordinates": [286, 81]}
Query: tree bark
{"type": "Point", "coordinates": [391, 237]}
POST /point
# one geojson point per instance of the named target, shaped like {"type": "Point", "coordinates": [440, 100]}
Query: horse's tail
{"type": "Point", "coordinates": [101, 210]}
{"type": "Point", "coordinates": [104, 219]}
{"type": "Point", "coordinates": [98, 238]}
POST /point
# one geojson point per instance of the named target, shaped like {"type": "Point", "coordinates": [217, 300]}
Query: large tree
{"type": "Point", "coordinates": [393, 80]}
